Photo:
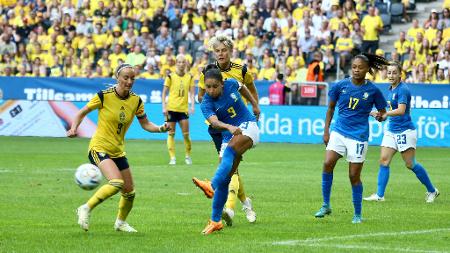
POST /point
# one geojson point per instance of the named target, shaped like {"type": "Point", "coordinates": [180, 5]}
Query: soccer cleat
{"type": "Point", "coordinates": [188, 160]}
{"type": "Point", "coordinates": [248, 210]}
{"type": "Point", "coordinates": [212, 226]}
{"type": "Point", "coordinates": [356, 219]}
{"type": "Point", "coordinates": [374, 197]}
{"type": "Point", "coordinates": [227, 216]}
{"type": "Point", "coordinates": [431, 196]}
{"type": "Point", "coordinates": [324, 210]}
{"type": "Point", "coordinates": [173, 161]}
{"type": "Point", "coordinates": [123, 226]}
{"type": "Point", "coordinates": [205, 186]}
{"type": "Point", "coordinates": [83, 213]}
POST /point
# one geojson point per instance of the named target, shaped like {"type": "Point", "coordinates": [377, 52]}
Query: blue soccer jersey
{"type": "Point", "coordinates": [400, 95]}
{"type": "Point", "coordinates": [228, 107]}
{"type": "Point", "coordinates": [355, 104]}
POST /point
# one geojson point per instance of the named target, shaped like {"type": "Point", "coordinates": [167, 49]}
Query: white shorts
{"type": "Point", "coordinates": [354, 150]}
{"type": "Point", "coordinates": [400, 142]}
{"type": "Point", "coordinates": [250, 129]}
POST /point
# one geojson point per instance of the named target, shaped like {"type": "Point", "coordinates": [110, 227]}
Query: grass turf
{"type": "Point", "coordinates": [39, 197]}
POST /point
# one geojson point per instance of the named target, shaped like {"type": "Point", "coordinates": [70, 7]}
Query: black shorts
{"type": "Point", "coordinates": [96, 157]}
{"type": "Point", "coordinates": [176, 116]}
{"type": "Point", "coordinates": [216, 135]}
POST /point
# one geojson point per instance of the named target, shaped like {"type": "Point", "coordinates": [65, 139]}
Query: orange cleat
{"type": "Point", "coordinates": [212, 226]}
{"type": "Point", "coordinates": [205, 186]}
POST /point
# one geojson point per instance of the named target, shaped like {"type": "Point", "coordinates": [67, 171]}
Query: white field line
{"type": "Point", "coordinates": [370, 248]}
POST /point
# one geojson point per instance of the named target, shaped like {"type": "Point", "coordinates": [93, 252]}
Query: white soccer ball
{"type": "Point", "coordinates": [88, 176]}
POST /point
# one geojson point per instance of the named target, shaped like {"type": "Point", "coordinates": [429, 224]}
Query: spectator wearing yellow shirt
{"type": "Point", "coordinates": [115, 38]}
{"type": "Point", "coordinates": [233, 10]}
{"type": "Point", "coordinates": [371, 26]}
{"type": "Point", "coordinates": [116, 56]}
{"type": "Point", "coordinates": [99, 36]}
{"type": "Point", "coordinates": [410, 63]}
{"type": "Point", "coordinates": [168, 68]}
{"type": "Point", "coordinates": [22, 71]}
{"type": "Point", "coordinates": [297, 14]}
{"type": "Point", "coordinates": [295, 56]}
{"type": "Point", "coordinates": [402, 45]}
{"type": "Point", "coordinates": [340, 18]}
{"type": "Point", "coordinates": [440, 77]}
{"type": "Point", "coordinates": [187, 56]}
{"type": "Point", "coordinates": [414, 30]}
{"type": "Point", "coordinates": [267, 72]}
{"type": "Point", "coordinates": [251, 68]}
{"type": "Point", "coordinates": [430, 32]}
{"type": "Point", "coordinates": [344, 47]}
{"type": "Point", "coordinates": [150, 73]}
{"type": "Point", "coordinates": [164, 59]}
{"type": "Point", "coordinates": [136, 57]}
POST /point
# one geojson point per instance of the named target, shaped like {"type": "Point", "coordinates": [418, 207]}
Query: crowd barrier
{"type": "Point", "coordinates": [293, 124]}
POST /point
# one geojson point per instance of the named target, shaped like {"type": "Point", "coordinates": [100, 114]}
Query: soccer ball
{"type": "Point", "coordinates": [88, 176]}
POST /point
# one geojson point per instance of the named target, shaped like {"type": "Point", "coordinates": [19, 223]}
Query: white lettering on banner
{"type": "Point", "coordinates": [419, 102]}
{"type": "Point", "coordinates": [50, 94]}
{"type": "Point", "coordinates": [431, 128]}
{"type": "Point", "coordinates": [275, 126]}
{"type": "Point", "coordinates": [376, 129]}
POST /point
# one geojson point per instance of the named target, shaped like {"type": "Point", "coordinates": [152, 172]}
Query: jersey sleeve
{"type": "Point", "coordinates": [248, 78]}
{"type": "Point", "coordinates": [96, 102]}
{"type": "Point", "coordinates": [168, 81]}
{"type": "Point", "coordinates": [191, 82]}
{"type": "Point", "coordinates": [207, 108]}
{"type": "Point", "coordinates": [380, 101]}
{"type": "Point", "coordinates": [140, 111]}
{"type": "Point", "coordinates": [333, 94]}
{"type": "Point", "coordinates": [201, 81]}
{"type": "Point", "coordinates": [403, 96]}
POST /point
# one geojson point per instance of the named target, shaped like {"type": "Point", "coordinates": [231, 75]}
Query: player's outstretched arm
{"type": "Point", "coordinates": [329, 117]}
{"type": "Point", "coordinates": [72, 132]}
{"type": "Point", "coordinates": [247, 95]}
{"type": "Point", "coordinates": [201, 93]}
{"type": "Point", "coordinates": [217, 124]}
{"type": "Point", "coordinates": [151, 127]}
{"type": "Point", "coordinates": [397, 112]}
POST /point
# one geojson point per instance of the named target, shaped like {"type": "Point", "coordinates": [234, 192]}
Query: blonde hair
{"type": "Point", "coordinates": [227, 41]}
{"type": "Point", "coordinates": [180, 57]}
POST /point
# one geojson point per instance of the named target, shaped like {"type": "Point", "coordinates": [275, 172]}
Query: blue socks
{"type": "Point", "coordinates": [357, 191]}
{"type": "Point", "coordinates": [422, 175]}
{"type": "Point", "coordinates": [383, 178]}
{"type": "Point", "coordinates": [327, 181]}
{"type": "Point", "coordinates": [220, 183]}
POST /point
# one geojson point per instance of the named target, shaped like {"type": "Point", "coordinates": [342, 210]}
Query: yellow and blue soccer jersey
{"type": "Point", "coordinates": [355, 104]}
{"type": "Point", "coordinates": [178, 91]}
{"type": "Point", "coordinates": [228, 107]}
{"type": "Point", "coordinates": [400, 95]}
{"type": "Point", "coordinates": [235, 71]}
{"type": "Point", "coordinates": [115, 115]}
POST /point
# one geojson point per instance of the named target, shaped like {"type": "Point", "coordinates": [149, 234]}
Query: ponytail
{"type": "Point", "coordinates": [375, 62]}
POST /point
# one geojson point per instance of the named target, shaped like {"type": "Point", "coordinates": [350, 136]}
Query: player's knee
{"type": "Point", "coordinates": [328, 165]}
{"type": "Point", "coordinates": [384, 161]}
{"type": "Point", "coordinates": [118, 183]}
{"type": "Point", "coordinates": [354, 178]}
{"type": "Point", "coordinates": [409, 164]}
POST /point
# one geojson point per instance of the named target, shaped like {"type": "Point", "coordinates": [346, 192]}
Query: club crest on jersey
{"type": "Point", "coordinates": [122, 117]}
{"type": "Point", "coordinates": [344, 91]}
{"type": "Point", "coordinates": [365, 95]}
{"type": "Point", "coordinates": [234, 97]}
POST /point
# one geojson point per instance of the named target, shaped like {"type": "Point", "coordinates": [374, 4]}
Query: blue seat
{"type": "Point", "coordinates": [397, 10]}
{"type": "Point", "coordinates": [382, 7]}
{"type": "Point", "coordinates": [386, 22]}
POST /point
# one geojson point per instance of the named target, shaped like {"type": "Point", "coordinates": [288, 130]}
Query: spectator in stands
{"type": "Point", "coordinates": [434, 15]}
{"type": "Point", "coordinates": [440, 77]}
{"type": "Point", "coordinates": [7, 45]}
{"type": "Point", "coordinates": [308, 43]}
{"type": "Point", "coordinates": [412, 31]}
{"type": "Point", "coordinates": [277, 91]}
{"type": "Point", "coordinates": [444, 22]}
{"type": "Point", "coordinates": [344, 47]}
{"type": "Point", "coordinates": [402, 45]}
{"type": "Point", "coordinates": [190, 31]}
{"type": "Point", "coordinates": [323, 33]}
{"type": "Point", "coordinates": [136, 57]}
{"type": "Point", "coordinates": [315, 74]}
{"type": "Point", "coordinates": [163, 40]}
{"type": "Point", "coordinates": [83, 26]}
{"type": "Point", "coordinates": [371, 26]}
{"type": "Point", "coordinates": [267, 72]}
{"type": "Point", "coordinates": [150, 73]}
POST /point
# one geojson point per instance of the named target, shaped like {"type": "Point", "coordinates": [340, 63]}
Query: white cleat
{"type": "Point", "coordinates": [248, 210]}
{"type": "Point", "coordinates": [431, 196]}
{"type": "Point", "coordinates": [188, 160]}
{"type": "Point", "coordinates": [227, 216]}
{"type": "Point", "coordinates": [374, 197]}
{"type": "Point", "coordinates": [123, 226]}
{"type": "Point", "coordinates": [173, 161]}
{"type": "Point", "coordinates": [83, 213]}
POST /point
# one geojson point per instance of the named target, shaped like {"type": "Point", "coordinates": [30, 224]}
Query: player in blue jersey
{"type": "Point", "coordinates": [355, 97]}
{"type": "Point", "coordinates": [401, 136]}
{"type": "Point", "coordinates": [225, 110]}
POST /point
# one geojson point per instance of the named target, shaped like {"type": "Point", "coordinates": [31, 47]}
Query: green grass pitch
{"type": "Point", "coordinates": [38, 199]}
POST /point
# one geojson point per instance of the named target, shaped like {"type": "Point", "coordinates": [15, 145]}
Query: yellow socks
{"type": "Point", "coordinates": [125, 205]}
{"type": "Point", "coordinates": [106, 191]}
{"type": "Point", "coordinates": [232, 192]}
{"type": "Point", "coordinates": [171, 145]}
{"type": "Point", "coordinates": [187, 143]}
{"type": "Point", "coordinates": [241, 193]}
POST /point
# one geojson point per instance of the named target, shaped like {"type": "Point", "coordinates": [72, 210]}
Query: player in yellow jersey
{"type": "Point", "coordinates": [116, 108]}
{"type": "Point", "coordinates": [222, 47]}
{"type": "Point", "coordinates": [180, 86]}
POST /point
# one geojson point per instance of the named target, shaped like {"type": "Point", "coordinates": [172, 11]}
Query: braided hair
{"type": "Point", "coordinates": [375, 62]}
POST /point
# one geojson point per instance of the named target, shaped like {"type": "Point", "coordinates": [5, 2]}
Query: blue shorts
{"type": "Point", "coordinates": [216, 135]}
{"type": "Point", "coordinates": [96, 157]}
{"type": "Point", "coordinates": [176, 116]}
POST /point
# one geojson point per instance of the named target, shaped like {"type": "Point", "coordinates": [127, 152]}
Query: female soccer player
{"type": "Point", "coordinates": [401, 136]}
{"type": "Point", "coordinates": [355, 96]}
{"type": "Point", "coordinates": [116, 108]}
{"type": "Point", "coordinates": [225, 110]}
{"type": "Point", "coordinates": [222, 47]}
{"type": "Point", "coordinates": [180, 85]}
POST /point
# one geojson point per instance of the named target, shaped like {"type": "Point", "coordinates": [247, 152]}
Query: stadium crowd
{"type": "Point", "coordinates": [82, 38]}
